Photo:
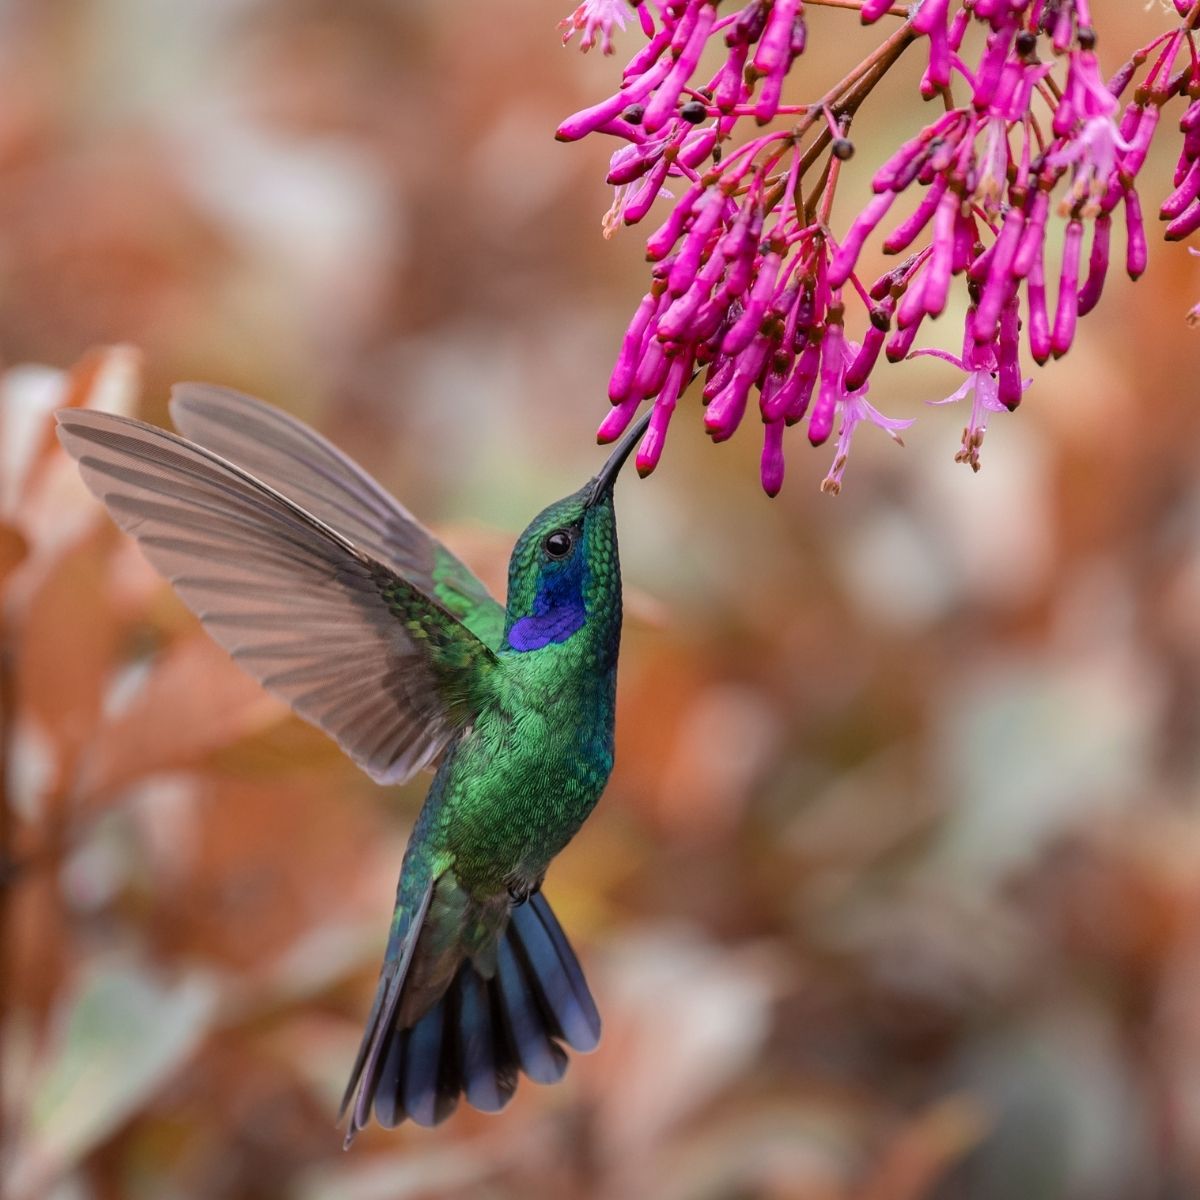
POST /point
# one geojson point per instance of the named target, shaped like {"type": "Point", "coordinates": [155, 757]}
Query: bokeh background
{"type": "Point", "coordinates": [895, 892]}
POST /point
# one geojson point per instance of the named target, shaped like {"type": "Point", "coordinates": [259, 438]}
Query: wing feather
{"type": "Point", "coordinates": [297, 461]}
{"type": "Point", "coordinates": [350, 644]}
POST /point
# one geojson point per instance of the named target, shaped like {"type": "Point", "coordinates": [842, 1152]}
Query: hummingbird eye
{"type": "Point", "coordinates": [558, 544]}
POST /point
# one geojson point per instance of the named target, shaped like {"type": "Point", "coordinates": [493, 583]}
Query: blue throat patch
{"type": "Point", "coordinates": [558, 609]}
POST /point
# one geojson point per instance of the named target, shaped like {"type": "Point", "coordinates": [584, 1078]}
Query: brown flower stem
{"type": "Point", "coordinates": [839, 105]}
{"type": "Point", "coordinates": [845, 97]}
{"type": "Point", "coordinates": [822, 194]}
{"type": "Point", "coordinates": [843, 101]}
{"type": "Point", "coordinates": [897, 10]}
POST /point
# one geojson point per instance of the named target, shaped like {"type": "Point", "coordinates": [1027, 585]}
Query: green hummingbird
{"type": "Point", "coordinates": [337, 600]}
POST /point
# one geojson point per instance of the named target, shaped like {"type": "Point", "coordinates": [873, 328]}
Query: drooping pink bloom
{"type": "Point", "coordinates": [853, 407]}
{"type": "Point", "coordinates": [1019, 186]}
{"type": "Point", "coordinates": [1095, 148]}
{"type": "Point", "coordinates": [1182, 206]}
{"type": "Point", "coordinates": [594, 20]}
{"type": "Point", "coordinates": [993, 381]}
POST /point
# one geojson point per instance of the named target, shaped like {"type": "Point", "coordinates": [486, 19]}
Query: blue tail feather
{"type": "Point", "coordinates": [388, 1111]}
{"type": "Point", "coordinates": [541, 1057]}
{"type": "Point", "coordinates": [430, 1090]}
{"type": "Point", "coordinates": [488, 1080]}
{"type": "Point", "coordinates": [481, 1034]}
{"type": "Point", "coordinates": [556, 974]}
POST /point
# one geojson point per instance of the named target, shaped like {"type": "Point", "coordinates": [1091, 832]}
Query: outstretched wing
{"type": "Point", "coordinates": [297, 461]}
{"type": "Point", "coordinates": [354, 648]}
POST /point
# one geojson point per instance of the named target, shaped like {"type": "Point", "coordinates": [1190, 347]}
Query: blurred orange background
{"type": "Point", "coordinates": [895, 892]}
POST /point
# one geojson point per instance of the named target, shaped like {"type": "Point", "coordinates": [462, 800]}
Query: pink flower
{"type": "Point", "coordinates": [984, 389]}
{"type": "Point", "coordinates": [755, 290]}
{"type": "Point", "coordinates": [594, 20]}
{"type": "Point", "coordinates": [993, 380]}
{"type": "Point", "coordinates": [853, 407]}
{"type": "Point", "coordinates": [630, 202]}
{"type": "Point", "coordinates": [1094, 155]}
{"type": "Point", "coordinates": [1095, 150]}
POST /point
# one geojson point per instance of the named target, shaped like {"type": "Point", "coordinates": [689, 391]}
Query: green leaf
{"type": "Point", "coordinates": [120, 1036]}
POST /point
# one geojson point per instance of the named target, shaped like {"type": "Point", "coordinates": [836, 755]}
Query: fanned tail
{"type": "Point", "coordinates": [480, 1035]}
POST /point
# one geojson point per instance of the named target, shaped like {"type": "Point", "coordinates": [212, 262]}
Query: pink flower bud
{"type": "Point", "coordinates": [621, 382]}
{"type": "Point", "coordinates": [768, 98]}
{"type": "Point", "coordinates": [820, 423]}
{"type": "Point", "coordinates": [660, 242]}
{"type": "Point", "coordinates": [900, 343]}
{"type": "Point", "coordinates": [730, 88]}
{"type": "Point", "coordinates": [937, 274]}
{"type": "Point", "coordinates": [991, 66]}
{"type": "Point", "coordinates": [1187, 191]}
{"type": "Point", "coordinates": [639, 205]}
{"type": "Point", "coordinates": [617, 420]}
{"type": "Point", "coordinates": [649, 54]}
{"type": "Point", "coordinates": [1136, 250]}
{"type": "Point", "coordinates": [864, 362]}
{"type": "Point", "coordinates": [1010, 386]}
{"type": "Point", "coordinates": [842, 263]}
{"type": "Point", "coordinates": [872, 10]}
{"type": "Point", "coordinates": [725, 412]}
{"type": "Point", "coordinates": [1139, 144]}
{"type": "Point", "coordinates": [652, 370]}
{"type": "Point", "coordinates": [1033, 238]}
{"type": "Point", "coordinates": [912, 308]}
{"type": "Point", "coordinates": [698, 19]}
{"type": "Point", "coordinates": [1089, 294]}
{"type": "Point", "coordinates": [902, 236]}
{"type": "Point", "coordinates": [707, 215]}
{"type": "Point", "coordinates": [650, 451]}
{"type": "Point", "coordinates": [772, 56]}
{"type": "Point", "coordinates": [589, 119]}
{"type": "Point", "coordinates": [1067, 310]}
{"type": "Point", "coordinates": [771, 465]}
{"type": "Point", "coordinates": [1185, 225]}
{"type": "Point", "coordinates": [999, 287]}
{"type": "Point", "coordinates": [747, 325]}
{"type": "Point", "coordinates": [719, 375]}
{"type": "Point", "coordinates": [1039, 321]}
{"type": "Point", "coordinates": [676, 322]}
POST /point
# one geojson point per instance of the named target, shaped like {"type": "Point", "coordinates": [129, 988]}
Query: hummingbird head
{"type": "Point", "coordinates": [564, 573]}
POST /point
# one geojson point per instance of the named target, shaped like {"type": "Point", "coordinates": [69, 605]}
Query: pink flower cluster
{"type": "Point", "coordinates": [751, 287]}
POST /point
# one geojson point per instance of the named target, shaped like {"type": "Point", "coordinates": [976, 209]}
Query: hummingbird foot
{"type": "Point", "coordinates": [520, 890]}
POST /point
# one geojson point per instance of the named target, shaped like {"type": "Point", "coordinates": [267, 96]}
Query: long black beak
{"type": "Point", "coordinates": [602, 485]}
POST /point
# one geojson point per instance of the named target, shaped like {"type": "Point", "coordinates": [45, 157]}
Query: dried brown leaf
{"type": "Point", "coordinates": [193, 701]}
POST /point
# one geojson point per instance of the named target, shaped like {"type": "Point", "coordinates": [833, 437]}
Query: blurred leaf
{"type": "Point", "coordinates": [107, 379]}
{"type": "Point", "coordinates": [28, 394]}
{"type": "Point", "coordinates": [13, 549]}
{"type": "Point", "coordinates": [121, 1034]}
{"type": "Point", "coordinates": [62, 675]}
{"type": "Point", "coordinates": [50, 504]}
{"type": "Point", "coordinates": [683, 1018]}
{"type": "Point", "coordinates": [440, 1173]}
{"type": "Point", "coordinates": [920, 1152]}
{"type": "Point", "coordinates": [1031, 748]}
{"type": "Point", "coordinates": [193, 700]}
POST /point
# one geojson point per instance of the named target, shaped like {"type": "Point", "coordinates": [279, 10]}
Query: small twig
{"type": "Point", "coordinates": [846, 97]}
{"type": "Point", "coordinates": [897, 10]}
